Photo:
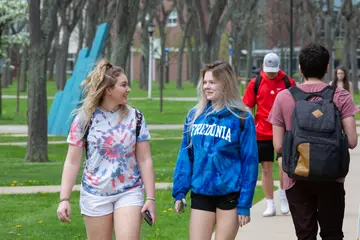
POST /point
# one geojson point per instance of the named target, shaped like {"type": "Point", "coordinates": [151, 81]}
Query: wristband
{"type": "Point", "coordinates": [150, 198]}
{"type": "Point", "coordinates": [64, 199]}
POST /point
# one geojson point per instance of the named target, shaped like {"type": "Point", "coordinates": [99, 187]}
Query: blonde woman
{"type": "Point", "coordinates": [118, 160]}
{"type": "Point", "coordinates": [218, 158]}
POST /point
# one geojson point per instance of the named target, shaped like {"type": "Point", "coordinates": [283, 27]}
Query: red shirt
{"type": "Point", "coordinates": [267, 92]}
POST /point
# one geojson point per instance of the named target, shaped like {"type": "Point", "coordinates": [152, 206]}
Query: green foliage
{"type": "Point", "coordinates": [33, 217]}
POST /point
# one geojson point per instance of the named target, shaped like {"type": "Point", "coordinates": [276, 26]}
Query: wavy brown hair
{"type": "Point", "coordinates": [104, 76]}
{"type": "Point", "coordinates": [345, 80]}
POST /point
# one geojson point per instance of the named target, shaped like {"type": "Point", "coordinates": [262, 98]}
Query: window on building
{"type": "Point", "coordinates": [172, 19]}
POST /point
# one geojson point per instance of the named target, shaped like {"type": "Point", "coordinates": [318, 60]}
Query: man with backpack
{"type": "Point", "coordinates": [313, 128]}
{"type": "Point", "coordinates": [261, 92]}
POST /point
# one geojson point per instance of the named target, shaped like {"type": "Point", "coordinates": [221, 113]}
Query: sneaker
{"type": "Point", "coordinates": [284, 206]}
{"type": "Point", "coordinates": [269, 212]}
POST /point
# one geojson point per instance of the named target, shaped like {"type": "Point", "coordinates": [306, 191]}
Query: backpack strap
{"type": "Point", "coordinates": [138, 117]}
{"type": "Point", "coordinates": [327, 93]}
{"type": "Point", "coordinates": [257, 84]}
{"type": "Point", "coordinates": [297, 93]}
{"type": "Point", "coordinates": [242, 116]}
{"type": "Point", "coordinates": [86, 136]}
{"type": "Point", "coordinates": [287, 82]}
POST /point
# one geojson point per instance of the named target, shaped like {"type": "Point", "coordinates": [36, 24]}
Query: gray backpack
{"type": "Point", "coordinates": [316, 148]}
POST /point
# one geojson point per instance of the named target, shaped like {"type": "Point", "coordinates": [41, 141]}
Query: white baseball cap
{"type": "Point", "coordinates": [271, 63]}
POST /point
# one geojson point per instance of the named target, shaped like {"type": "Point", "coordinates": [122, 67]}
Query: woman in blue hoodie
{"type": "Point", "coordinates": [218, 158]}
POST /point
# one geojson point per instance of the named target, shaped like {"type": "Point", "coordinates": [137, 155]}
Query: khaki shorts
{"type": "Point", "coordinates": [95, 206]}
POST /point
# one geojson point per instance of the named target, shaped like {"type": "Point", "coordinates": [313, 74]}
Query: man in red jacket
{"type": "Point", "coordinates": [261, 91]}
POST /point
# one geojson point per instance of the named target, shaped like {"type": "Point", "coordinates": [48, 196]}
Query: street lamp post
{"type": "Point", "coordinates": [150, 31]}
{"type": "Point", "coordinates": [230, 49]}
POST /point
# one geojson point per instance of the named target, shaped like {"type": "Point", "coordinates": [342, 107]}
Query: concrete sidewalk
{"type": "Point", "coordinates": [175, 99]}
{"type": "Point", "coordinates": [281, 227]}
{"type": "Point", "coordinates": [56, 188]}
{"type": "Point", "coordinates": [21, 130]}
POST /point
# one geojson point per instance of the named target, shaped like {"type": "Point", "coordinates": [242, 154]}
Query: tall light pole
{"type": "Point", "coordinates": [230, 49]}
{"type": "Point", "coordinates": [291, 38]}
{"type": "Point", "coordinates": [150, 31]}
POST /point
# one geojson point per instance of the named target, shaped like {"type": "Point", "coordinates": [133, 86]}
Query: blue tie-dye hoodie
{"type": "Point", "coordinates": [221, 158]}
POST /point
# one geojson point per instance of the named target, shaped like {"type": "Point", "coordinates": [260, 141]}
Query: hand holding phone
{"type": "Point", "coordinates": [180, 205]}
{"type": "Point", "coordinates": [147, 217]}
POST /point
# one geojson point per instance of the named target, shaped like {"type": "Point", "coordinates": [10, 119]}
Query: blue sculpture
{"type": "Point", "coordinates": [60, 117]}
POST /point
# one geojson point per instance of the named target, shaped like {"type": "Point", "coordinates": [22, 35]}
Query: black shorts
{"type": "Point", "coordinates": [266, 151]}
{"type": "Point", "coordinates": [210, 203]}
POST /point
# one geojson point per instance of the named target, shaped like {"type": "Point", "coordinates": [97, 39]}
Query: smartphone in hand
{"type": "Point", "coordinates": [147, 217]}
{"type": "Point", "coordinates": [182, 205]}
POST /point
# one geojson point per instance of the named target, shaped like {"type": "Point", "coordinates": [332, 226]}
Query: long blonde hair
{"type": "Point", "coordinates": [103, 76]}
{"type": "Point", "coordinates": [230, 97]}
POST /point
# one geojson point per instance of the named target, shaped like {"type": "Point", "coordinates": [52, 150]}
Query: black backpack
{"type": "Point", "coordinates": [316, 148]}
{"type": "Point", "coordinates": [258, 81]}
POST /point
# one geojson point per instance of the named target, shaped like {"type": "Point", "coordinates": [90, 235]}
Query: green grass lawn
{"type": "Point", "coordinates": [173, 112]}
{"type": "Point", "coordinates": [18, 173]}
{"type": "Point", "coordinates": [169, 90]}
{"type": "Point", "coordinates": [155, 134]}
{"type": "Point", "coordinates": [33, 217]}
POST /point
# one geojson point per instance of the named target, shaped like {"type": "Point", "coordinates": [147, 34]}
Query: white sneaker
{"type": "Point", "coordinates": [284, 206]}
{"type": "Point", "coordinates": [269, 212]}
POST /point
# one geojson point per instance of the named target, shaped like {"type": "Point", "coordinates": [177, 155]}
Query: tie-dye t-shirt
{"type": "Point", "coordinates": [110, 166]}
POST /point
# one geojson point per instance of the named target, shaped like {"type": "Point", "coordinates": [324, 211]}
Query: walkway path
{"type": "Point", "coordinates": [64, 142]}
{"type": "Point", "coordinates": [179, 99]}
{"type": "Point", "coordinates": [21, 130]}
{"type": "Point", "coordinates": [56, 188]}
{"type": "Point", "coordinates": [281, 227]}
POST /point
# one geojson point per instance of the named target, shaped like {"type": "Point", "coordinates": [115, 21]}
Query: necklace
{"type": "Point", "coordinates": [107, 110]}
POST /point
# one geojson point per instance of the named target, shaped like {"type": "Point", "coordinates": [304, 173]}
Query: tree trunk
{"type": "Point", "coordinates": [52, 60]}
{"type": "Point", "coordinates": [346, 48]}
{"type": "Point", "coordinates": [143, 83]}
{"type": "Point", "coordinates": [4, 82]}
{"type": "Point", "coordinates": [9, 72]}
{"type": "Point", "coordinates": [61, 60]}
{"type": "Point", "coordinates": [191, 59]}
{"type": "Point", "coordinates": [249, 57]}
{"type": "Point", "coordinates": [125, 24]}
{"type": "Point", "coordinates": [353, 56]}
{"type": "Point", "coordinates": [41, 35]}
{"type": "Point", "coordinates": [196, 61]}
{"type": "Point", "coordinates": [144, 66]}
{"type": "Point", "coordinates": [18, 69]}
{"type": "Point", "coordinates": [37, 105]}
{"type": "Point", "coordinates": [329, 36]}
{"type": "Point", "coordinates": [81, 35]}
{"type": "Point", "coordinates": [92, 19]}
{"type": "Point", "coordinates": [180, 63]}
{"type": "Point", "coordinates": [23, 69]}
{"type": "Point", "coordinates": [237, 45]}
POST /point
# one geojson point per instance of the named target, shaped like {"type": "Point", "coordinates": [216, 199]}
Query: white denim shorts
{"type": "Point", "coordinates": [96, 206]}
